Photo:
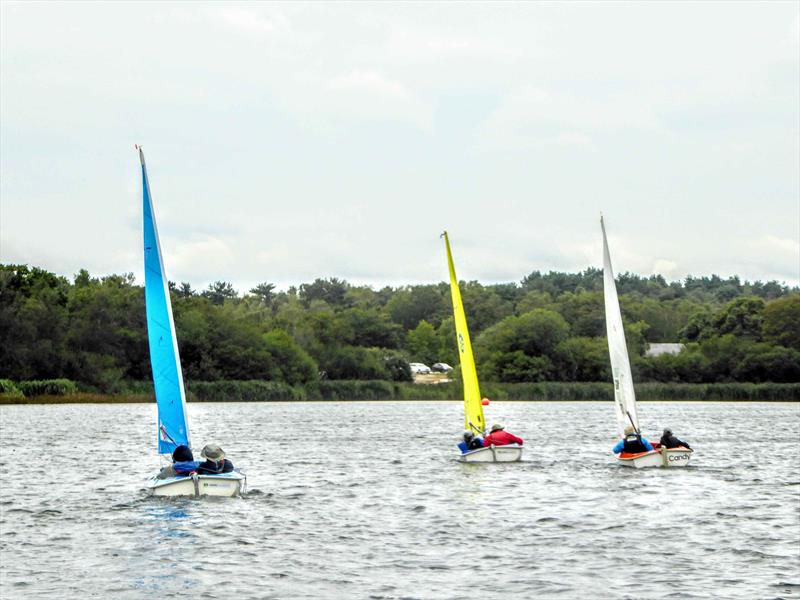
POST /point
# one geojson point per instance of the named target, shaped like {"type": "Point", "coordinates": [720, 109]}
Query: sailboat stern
{"type": "Point", "coordinates": [508, 453]}
{"type": "Point", "coordinates": [662, 457]}
{"type": "Point", "coordinates": [224, 485]}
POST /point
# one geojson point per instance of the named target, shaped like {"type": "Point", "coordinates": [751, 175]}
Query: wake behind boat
{"type": "Point", "coordinates": [624, 395]}
{"type": "Point", "coordinates": [173, 423]}
{"type": "Point", "coordinates": [474, 421]}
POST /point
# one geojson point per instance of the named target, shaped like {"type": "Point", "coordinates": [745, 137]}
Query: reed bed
{"type": "Point", "coordinates": [65, 391]}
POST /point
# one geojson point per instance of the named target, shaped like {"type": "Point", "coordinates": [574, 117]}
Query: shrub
{"type": "Point", "coordinates": [357, 390]}
{"type": "Point", "coordinates": [48, 387]}
{"type": "Point", "coordinates": [243, 391]}
{"type": "Point", "coordinates": [9, 390]}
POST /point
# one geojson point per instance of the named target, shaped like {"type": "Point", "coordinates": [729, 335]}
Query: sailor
{"type": "Point", "coordinates": [215, 461]}
{"type": "Point", "coordinates": [471, 442]}
{"type": "Point", "coordinates": [632, 443]}
{"type": "Point", "coordinates": [668, 440]}
{"type": "Point", "coordinates": [183, 463]}
{"type": "Point", "coordinates": [499, 437]}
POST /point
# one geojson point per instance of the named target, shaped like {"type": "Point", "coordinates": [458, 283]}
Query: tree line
{"type": "Point", "coordinates": [548, 327]}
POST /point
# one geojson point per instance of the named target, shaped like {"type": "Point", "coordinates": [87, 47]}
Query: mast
{"type": "Point", "coordinates": [173, 424]}
{"type": "Point", "coordinates": [624, 396]}
{"type": "Point", "coordinates": [473, 410]}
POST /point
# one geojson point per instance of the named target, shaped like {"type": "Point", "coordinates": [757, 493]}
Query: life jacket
{"type": "Point", "coordinates": [633, 444]}
{"type": "Point", "coordinates": [185, 467]}
{"type": "Point", "coordinates": [475, 443]}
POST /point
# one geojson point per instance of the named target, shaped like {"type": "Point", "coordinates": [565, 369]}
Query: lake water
{"type": "Point", "coordinates": [366, 500]}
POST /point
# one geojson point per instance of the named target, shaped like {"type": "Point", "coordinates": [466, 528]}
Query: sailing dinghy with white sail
{"type": "Point", "coordinates": [473, 408]}
{"type": "Point", "coordinates": [624, 396]}
{"type": "Point", "coordinates": [173, 423]}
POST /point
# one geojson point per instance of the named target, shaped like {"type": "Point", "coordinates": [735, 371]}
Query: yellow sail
{"type": "Point", "coordinates": [473, 410]}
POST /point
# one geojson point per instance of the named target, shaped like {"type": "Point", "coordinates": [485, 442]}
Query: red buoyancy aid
{"type": "Point", "coordinates": [501, 438]}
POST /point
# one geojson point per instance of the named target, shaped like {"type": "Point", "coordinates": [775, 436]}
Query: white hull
{"type": "Point", "coordinates": [664, 457]}
{"type": "Point", "coordinates": [509, 453]}
{"type": "Point", "coordinates": [224, 484]}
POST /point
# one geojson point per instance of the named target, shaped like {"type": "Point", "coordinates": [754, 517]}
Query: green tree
{"type": "Point", "coordinates": [410, 305]}
{"type": "Point", "coordinates": [220, 291]}
{"type": "Point", "coordinates": [288, 361]}
{"type": "Point", "coordinates": [762, 362]}
{"type": "Point", "coordinates": [742, 317]}
{"type": "Point", "coordinates": [332, 291]}
{"type": "Point", "coordinates": [583, 359]}
{"type": "Point", "coordinates": [782, 321]}
{"type": "Point", "coordinates": [265, 292]}
{"type": "Point", "coordinates": [584, 312]}
{"type": "Point", "coordinates": [423, 344]}
{"type": "Point", "coordinates": [371, 328]}
{"type": "Point", "coordinates": [500, 349]}
{"type": "Point", "coordinates": [483, 306]}
{"type": "Point", "coordinates": [516, 367]}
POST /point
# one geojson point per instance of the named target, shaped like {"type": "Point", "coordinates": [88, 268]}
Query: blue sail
{"type": "Point", "coordinates": [173, 425]}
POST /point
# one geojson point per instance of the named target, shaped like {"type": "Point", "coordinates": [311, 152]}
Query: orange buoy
{"type": "Point", "coordinates": [485, 402]}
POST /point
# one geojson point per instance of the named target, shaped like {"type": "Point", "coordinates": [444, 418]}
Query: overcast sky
{"type": "Point", "coordinates": [288, 142]}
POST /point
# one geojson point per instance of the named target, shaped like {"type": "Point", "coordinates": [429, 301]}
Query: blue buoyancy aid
{"type": "Point", "coordinates": [185, 467]}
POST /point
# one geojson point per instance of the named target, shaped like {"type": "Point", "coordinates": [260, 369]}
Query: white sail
{"type": "Point", "coordinates": [624, 397]}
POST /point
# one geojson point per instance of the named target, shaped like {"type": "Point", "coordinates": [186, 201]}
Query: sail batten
{"type": "Point", "coordinates": [624, 396]}
{"type": "Point", "coordinates": [473, 409]}
{"type": "Point", "coordinates": [173, 425]}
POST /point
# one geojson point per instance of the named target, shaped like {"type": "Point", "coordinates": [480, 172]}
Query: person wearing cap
{"type": "Point", "coordinates": [668, 440]}
{"type": "Point", "coordinates": [183, 463]}
{"type": "Point", "coordinates": [215, 461]}
{"type": "Point", "coordinates": [471, 442]}
{"type": "Point", "coordinates": [498, 436]}
{"type": "Point", "coordinates": [632, 443]}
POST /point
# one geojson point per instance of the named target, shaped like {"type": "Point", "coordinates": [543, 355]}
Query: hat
{"type": "Point", "coordinates": [213, 453]}
{"type": "Point", "coordinates": [629, 429]}
{"type": "Point", "coordinates": [468, 435]}
{"type": "Point", "coordinates": [182, 453]}
{"type": "Point", "coordinates": [497, 427]}
{"type": "Point", "coordinates": [667, 431]}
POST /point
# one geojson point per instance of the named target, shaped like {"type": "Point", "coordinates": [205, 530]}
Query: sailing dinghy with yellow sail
{"type": "Point", "coordinates": [473, 408]}
{"type": "Point", "coordinates": [624, 396]}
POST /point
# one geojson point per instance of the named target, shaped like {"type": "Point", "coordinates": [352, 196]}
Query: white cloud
{"type": "Point", "coordinates": [786, 247]}
{"type": "Point", "coordinates": [534, 117]}
{"type": "Point", "coordinates": [666, 268]}
{"type": "Point", "coordinates": [372, 95]}
{"type": "Point", "coordinates": [249, 20]}
{"type": "Point", "coordinates": [204, 258]}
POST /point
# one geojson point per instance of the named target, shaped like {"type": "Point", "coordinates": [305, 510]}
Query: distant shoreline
{"type": "Point", "coordinates": [68, 392]}
{"type": "Point", "coordinates": [143, 399]}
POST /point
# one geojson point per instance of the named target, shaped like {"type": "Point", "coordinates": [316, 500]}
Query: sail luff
{"type": "Point", "coordinates": [473, 409]}
{"type": "Point", "coordinates": [173, 424]}
{"type": "Point", "coordinates": [624, 396]}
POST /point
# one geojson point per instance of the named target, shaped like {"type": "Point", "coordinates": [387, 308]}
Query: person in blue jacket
{"type": "Point", "coordinates": [183, 463]}
{"type": "Point", "coordinates": [632, 443]}
{"type": "Point", "coordinates": [471, 442]}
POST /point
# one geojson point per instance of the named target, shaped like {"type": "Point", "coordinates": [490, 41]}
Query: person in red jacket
{"type": "Point", "coordinates": [500, 437]}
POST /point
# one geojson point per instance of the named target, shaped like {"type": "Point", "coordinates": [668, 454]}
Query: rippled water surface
{"type": "Point", "coordinates": [366, 500]}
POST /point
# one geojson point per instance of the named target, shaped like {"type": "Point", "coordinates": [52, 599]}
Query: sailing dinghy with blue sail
{"type": "Point", "coordinates": [173, 422]}
{"type": "Point", "coordinates": [473, 407]}
{"type": "Point", "coordinates": [624, 395]}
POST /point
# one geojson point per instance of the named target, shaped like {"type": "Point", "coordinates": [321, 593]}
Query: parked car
{"type": "Point", "coordinates": [441, 367]}
{"type": "Point", "coordinates": [419, 368]}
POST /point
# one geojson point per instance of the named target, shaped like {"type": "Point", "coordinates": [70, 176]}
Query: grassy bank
{"type": "Point", "coordinates": [270, 391]}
